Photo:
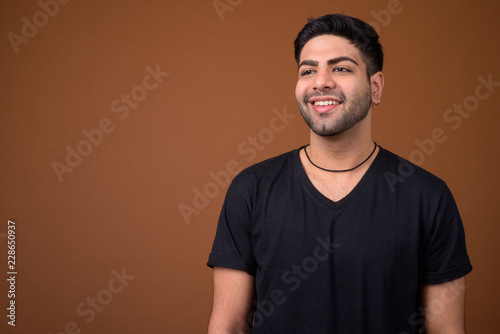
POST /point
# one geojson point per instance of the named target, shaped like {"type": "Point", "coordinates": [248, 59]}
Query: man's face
{"type": "Point", "coordinates": [333, 92]}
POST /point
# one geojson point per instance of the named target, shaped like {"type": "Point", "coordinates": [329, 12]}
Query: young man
{"type": "Point", "coordinates": [338, 236]}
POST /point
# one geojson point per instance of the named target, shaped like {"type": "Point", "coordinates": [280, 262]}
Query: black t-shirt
{"type": "Point", "coordinates": [351, 266]}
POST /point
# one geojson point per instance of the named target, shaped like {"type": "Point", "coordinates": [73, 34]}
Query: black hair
{"type": "Point", "coordinates": [359, 33]}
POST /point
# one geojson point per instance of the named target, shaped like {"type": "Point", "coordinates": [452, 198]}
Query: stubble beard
{"type": "Point", "coordinates": [354, 112]}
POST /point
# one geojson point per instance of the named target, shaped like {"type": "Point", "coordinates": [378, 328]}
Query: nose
{"type": "Point", "coordinates": [323, 80]}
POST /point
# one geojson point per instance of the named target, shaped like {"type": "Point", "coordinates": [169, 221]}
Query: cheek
{"type": "Point", "coordinates": [300, 90]}
{"type": "Point", "coordinates": [349, 91]}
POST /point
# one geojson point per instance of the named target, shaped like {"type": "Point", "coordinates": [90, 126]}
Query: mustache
{"type": "Point", "coordinates": [337, 94]}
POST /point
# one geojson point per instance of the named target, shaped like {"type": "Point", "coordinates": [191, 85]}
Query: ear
{"type": "Point", "coordinates": [377, 84]}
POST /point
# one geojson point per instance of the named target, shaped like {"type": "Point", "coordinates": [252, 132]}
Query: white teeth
{"type": "Point", "coordinates": [326, 103]}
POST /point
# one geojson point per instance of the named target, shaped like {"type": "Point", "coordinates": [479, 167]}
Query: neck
{"type": "Point", "coordinates": [343, 151]}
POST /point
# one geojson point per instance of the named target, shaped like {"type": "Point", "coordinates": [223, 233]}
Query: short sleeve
{"type": "Point", "coordinates": [232, 247]}
{"type": "Point", "coordinates": [444, 256]}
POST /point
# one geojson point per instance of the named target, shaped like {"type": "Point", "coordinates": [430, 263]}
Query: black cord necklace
{"type": "Point", "coordinates": [339, 170]}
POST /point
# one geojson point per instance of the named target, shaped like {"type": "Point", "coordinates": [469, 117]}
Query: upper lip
{"type": "Point", "coordinates": [324, 98]}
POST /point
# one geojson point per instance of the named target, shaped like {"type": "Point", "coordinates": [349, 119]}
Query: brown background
{"type": "Point", "coordinates": [120, 207]}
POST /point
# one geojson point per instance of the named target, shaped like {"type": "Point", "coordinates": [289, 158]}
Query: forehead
{"type": "Point", "coordinates": [324, 47]}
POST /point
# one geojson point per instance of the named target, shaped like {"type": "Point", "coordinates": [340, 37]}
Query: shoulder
{"type": "Point", "coordinates": [401, 174]}
{"type": "Point", "coordinates": [265, 176]}
{"type": "Point", "coordinates": [419, 192]}
{"type": "Point", "coordinates": [268, 169]}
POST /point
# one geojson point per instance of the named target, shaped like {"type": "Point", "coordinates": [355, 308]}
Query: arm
{"type": "Point", "coordinates": [233, 294]}
{"type": "Point", "coordinates": [444, 307]}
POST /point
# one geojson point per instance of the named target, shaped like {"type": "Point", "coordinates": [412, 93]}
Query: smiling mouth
{"type": "Point", "coordinates": [325, 103]}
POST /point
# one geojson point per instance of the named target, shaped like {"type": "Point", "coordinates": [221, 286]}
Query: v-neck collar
{"type": "Point", "coordinates": [337, 205]}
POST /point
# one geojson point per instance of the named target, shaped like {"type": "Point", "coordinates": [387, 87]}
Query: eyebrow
{"type": "Point", "coordinates": [329, 62]}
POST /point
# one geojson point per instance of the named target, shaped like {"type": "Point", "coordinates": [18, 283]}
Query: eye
{"type": "Point", "coordinates": [341, 69]}
{"type": "Point", "coordinates": [306, 72]}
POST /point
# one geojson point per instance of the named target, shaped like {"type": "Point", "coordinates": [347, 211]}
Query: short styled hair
{"type": "Point", "coordinates": [359, 33]}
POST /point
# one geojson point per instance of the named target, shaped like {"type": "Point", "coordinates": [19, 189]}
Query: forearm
{"type": "Point", "coordinates": [444, 307]}
{"type": "Point", "coordinates": [219, 325]}
{"type": "Point", "coordinates": [233, 294]}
